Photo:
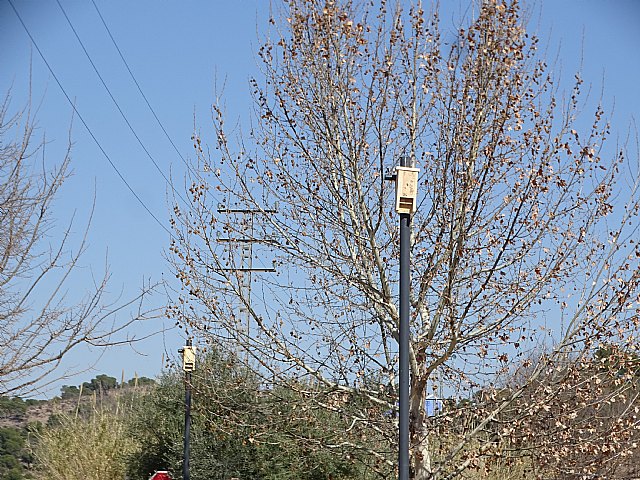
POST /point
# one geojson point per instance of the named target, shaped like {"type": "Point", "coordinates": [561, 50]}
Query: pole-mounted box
{"type": "Point", "coordinates": [188, 358]}
{"type": "Point", "coordinates": [406, 189]}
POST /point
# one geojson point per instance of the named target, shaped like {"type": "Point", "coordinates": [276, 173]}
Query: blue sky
{"type": "Point", "coordinates": [177, 50]}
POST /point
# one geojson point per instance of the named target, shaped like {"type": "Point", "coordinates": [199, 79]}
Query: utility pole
{"type": "Point", "coordinates": [188, 365]}
{"type": "Point", "coordinates": [244, 228]}
{"type": "Point", "coordinates": [406, 179]}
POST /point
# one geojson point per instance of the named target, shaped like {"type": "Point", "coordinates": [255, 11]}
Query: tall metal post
{"type": "Point", "coordinates": [403, 441]}
{"type": "Point", "coordinates": [188, 368]}
{"type": "Point", "coordinates": [406, 180]}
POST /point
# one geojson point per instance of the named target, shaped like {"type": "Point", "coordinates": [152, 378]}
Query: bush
{"type": "Point", "coordinates": [92, 448]}
{"type": "Point", "coordinates": [240, 429]}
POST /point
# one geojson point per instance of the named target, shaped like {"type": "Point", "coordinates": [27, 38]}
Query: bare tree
{"type": "Point", "coordinates": [39, 324]}
{"type": "Point", "coordinates": [523, 255]}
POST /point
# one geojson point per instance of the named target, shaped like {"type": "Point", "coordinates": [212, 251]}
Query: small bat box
{"type": "Point", "coordinates": [189, 359]}
{"type": "Point", "coordinates": [406, 189]}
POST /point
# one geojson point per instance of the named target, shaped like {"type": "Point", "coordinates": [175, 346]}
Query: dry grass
{"type": "Point", "coordinates": [92, 448]}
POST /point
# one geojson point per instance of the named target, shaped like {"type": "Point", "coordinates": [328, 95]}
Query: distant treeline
{"type": "Point", "coordinates": [101, 383]}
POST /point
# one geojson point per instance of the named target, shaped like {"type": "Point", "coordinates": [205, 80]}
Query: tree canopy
{"type": "Point", "coordinates": [523, 255]}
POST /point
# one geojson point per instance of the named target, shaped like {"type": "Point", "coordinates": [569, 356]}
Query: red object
{"type": "Point", "coordinates": [162, 475]}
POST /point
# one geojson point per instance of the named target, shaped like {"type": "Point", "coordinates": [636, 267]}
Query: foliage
{"type": "Point", "coordinates": [78, 448]}
{"type": "Point", "coordinates": [14, 454]}
{"type": "Point", "coordinates": [159, 420]}
{"type": "Point", "coordinates": [299, 440]}
{"type": "Point", "coordinates": [239, 429]}
{"type": "Point", "coordinates": [69, 391]}
{"type": "Point", "coordinates": [575, 404]}
{"type": "Point", "coordinates": [523, 241]}
{"type": "Point", "coordinates": [141, 382]}
{"type": "Point", "coordinates": [598, 397]}
{"type": "Point", "coordinates": [12, 406]}
{"type": "Point", "coordinates": [102, 384]}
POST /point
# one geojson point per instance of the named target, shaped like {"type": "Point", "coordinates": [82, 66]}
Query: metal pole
{"type": "Point", "coordinates": [406, 180]}
{"type": "Point", "coordinates": [187, 422]}
{"type": "Point", "coordinates": [403, 441]}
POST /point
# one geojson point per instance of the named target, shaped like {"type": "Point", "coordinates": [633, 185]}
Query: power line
{"type": "Point", "coordinates": [77, 112]}
{"type": "Point", "coordinates": [126, 64]}
{"type": "Point", "coordinates": [104, 84]}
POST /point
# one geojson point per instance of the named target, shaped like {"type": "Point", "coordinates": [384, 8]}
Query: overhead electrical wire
{"type": "Point", "coordinates": [77, 112]}
{"type": "Point", "coordinates": [133, 77]}
{"type": "Point", "coordinates": [189, 167]}
{"type": "Point", "coordinates": [104, 84]}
